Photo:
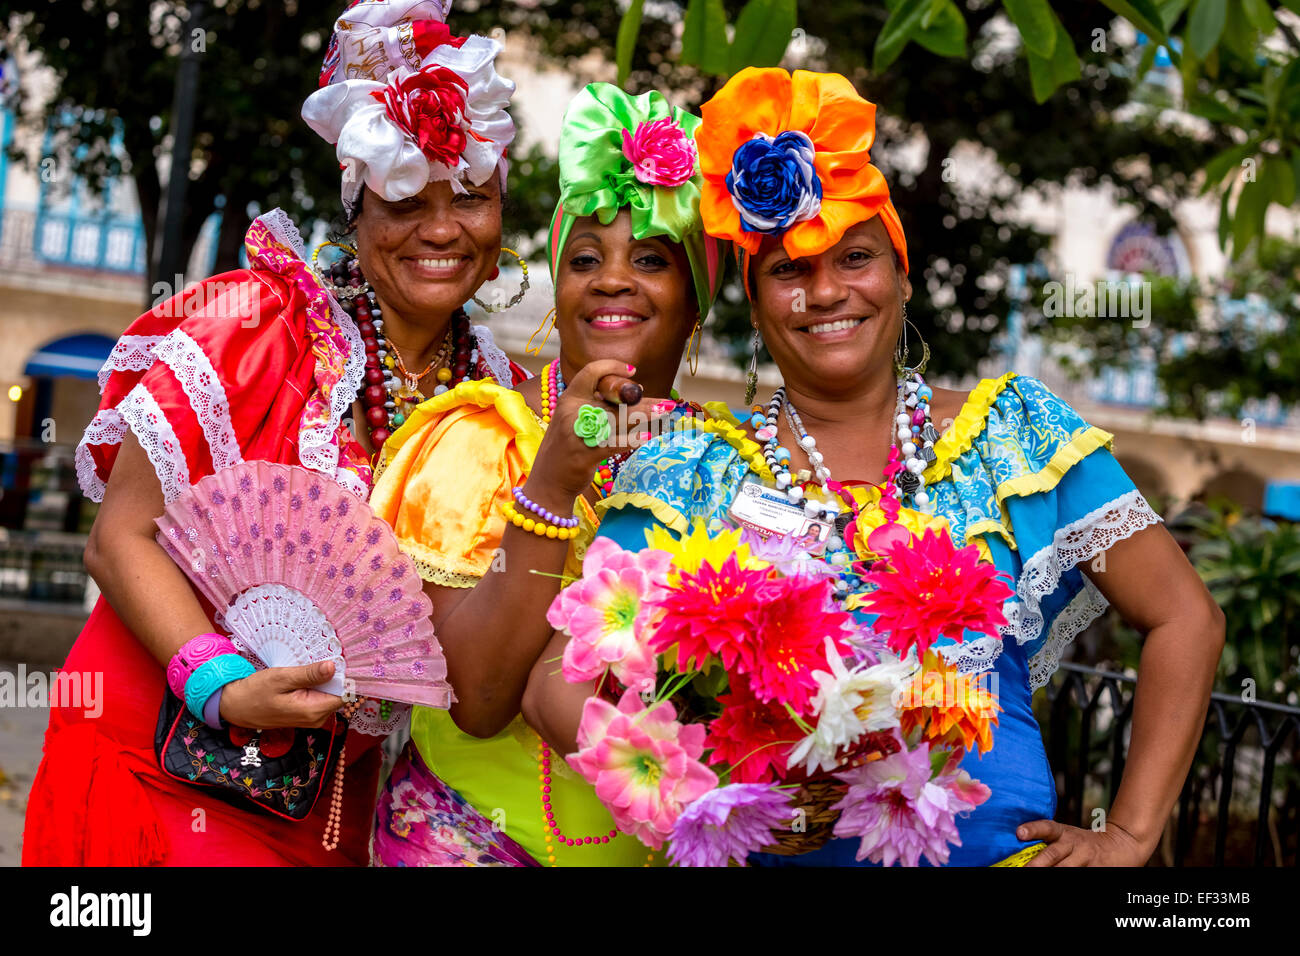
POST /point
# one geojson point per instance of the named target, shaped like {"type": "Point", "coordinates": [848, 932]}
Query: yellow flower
{"type": "Point", "coordinates": [870, 517]}
{"type": "Point", "coordinates": [698, 547]}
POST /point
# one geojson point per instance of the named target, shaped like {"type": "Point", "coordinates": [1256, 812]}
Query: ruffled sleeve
{"type": "Point", "coordinates": [447, 471]}
{"type": "Point", "coordinates": [1022, 469]}
{"type": "Point", "coordinates": [250, 364]}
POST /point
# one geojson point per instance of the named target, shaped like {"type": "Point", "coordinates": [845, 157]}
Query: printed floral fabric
{"type": "Point", "coordinates": [330, 346]}
{"type": "Point", "coordinates": [420, 821]}
{"type": "Point", "coordinates": [1019, 474]}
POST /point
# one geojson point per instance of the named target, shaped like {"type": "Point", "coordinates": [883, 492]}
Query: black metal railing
{"type": "Point", "coordinates": [1240, 804]}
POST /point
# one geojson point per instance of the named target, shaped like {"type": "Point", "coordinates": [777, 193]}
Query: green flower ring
{"type": "Point", "coordinates": [592, 426]}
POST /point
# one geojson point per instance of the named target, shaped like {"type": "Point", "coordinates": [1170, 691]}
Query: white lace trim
{"type": "Point", "coordinates": [1074, 544]}
{"type": "Point", "coordinates": [316, 446]}
{"type": "Point", "coordinates": [207, 396]}
{"type": "Point", "coordinates": [106, 428]}
{"type": "Point", "coordinates": [131, 353]}
{"type": "Point", "coordinates": [970, 657]}
{"type": "Point", "coordinates": [353, 483]}
{"type": "Point", "coordinates": [141, 412]}
{"type": "Point", "coordinates": [492, 357]}
{"type": "Point", "coordinates": [1086, 607]}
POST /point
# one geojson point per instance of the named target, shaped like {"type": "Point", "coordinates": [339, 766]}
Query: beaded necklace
{"type": "Point", "coordinates": [911, 450]}
{"type": "Point", "coordinates": [390, 392]}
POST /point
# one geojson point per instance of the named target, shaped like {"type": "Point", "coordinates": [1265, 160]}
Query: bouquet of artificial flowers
{"type": "Point", "coordinates": [728, 680]}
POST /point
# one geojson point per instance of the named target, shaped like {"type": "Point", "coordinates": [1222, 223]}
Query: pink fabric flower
{"type": "Point", "coordinates": [660, 152]}
{"type": "Point", "coordinates": [643, 763]}
{"type": "Point", "coordinates": [901, 813]}
{"type": "Point", "coordinates": [931, 589]}
{"type": "Point", "coordinates": [607, 614]}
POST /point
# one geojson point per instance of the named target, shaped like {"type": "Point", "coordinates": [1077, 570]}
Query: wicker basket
{"type": "Point", "coordinates": [815, 798]}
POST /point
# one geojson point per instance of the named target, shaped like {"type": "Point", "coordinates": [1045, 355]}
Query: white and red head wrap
{"type": "Point", "coordinates": [407, 103]}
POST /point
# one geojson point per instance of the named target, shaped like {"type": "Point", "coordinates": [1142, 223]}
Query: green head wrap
{"type": "Point", "coordinates": [638, 152]}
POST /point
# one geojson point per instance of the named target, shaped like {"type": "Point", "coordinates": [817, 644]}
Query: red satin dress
{"type": "Point", "coordinates": [253, 364]}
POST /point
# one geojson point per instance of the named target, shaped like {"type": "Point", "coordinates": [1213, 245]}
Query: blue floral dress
{"type": "Point", "coordinates": [1021, 475]}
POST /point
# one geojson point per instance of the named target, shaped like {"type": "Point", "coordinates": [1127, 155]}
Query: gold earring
{"type": "Point", "coordinates": [693, 347]}
{"type": "Point", "coordinates": [902, 353]}
{"type": "Point", "coordinates": [549, 317]}
{"type": "Point", "coordinates": [514, 299]}
{"type": "Point", "coordinates": [338, 291]}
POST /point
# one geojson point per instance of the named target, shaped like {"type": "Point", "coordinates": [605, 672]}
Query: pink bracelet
{"type": "Point", "coordinates": [197, 650]}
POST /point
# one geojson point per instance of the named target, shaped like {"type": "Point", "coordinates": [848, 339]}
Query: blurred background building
{"type": "Point", "coordinates": [73, 274]}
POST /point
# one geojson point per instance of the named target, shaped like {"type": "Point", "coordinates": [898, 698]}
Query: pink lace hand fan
{"type": "Point", "coordinates": [299, 571]}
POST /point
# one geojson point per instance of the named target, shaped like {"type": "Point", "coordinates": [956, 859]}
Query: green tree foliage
{"type": "Point", "coordinates": [963, 236]}
{"type": "Point", "coordinates": [115, 66]}
{"type": "Point", "coordinates": [1215, 345]}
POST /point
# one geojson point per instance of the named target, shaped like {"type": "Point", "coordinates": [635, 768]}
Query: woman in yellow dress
{"type": "Point", "coordinates": [491, 491]}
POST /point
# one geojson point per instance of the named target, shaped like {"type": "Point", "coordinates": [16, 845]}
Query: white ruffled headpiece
{"type": "Point", "coordinates": [407, 103]}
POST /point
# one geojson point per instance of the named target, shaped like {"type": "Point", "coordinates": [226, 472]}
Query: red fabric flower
{"type": "Point", "coordinates": [931, 589]}
{"type": "Point", "coordinates": [791, 617]}
{"type": "Point", "coordinates": [745, 736]}
{"type": "Point", "coordinates": [705, 616]}
{"type": "Point", "coordinates": [429, 106]}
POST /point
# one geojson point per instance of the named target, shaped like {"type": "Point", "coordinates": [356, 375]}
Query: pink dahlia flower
{"type": "Point", "coordinates": [901, 813]}
{"type": "Point", "coordinates": [792, 618]}
{"type": "Point", "coordinates": [643, 763]}
{"type": "Point", "coordinates": [705, 617]}
{"type": "Point", "coordinates": [931, 589]}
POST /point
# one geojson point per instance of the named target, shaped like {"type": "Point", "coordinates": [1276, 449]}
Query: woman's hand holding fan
{"type": "Point", "coordinates": [281, 697]}
{"type": "Point", "coordinates": [301, 573]}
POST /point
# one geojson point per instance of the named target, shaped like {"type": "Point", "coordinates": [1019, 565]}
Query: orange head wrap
{"type": "Point", "coordinates": [789, 155]}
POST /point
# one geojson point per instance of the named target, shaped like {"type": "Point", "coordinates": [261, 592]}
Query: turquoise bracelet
{"type": "Point", "coordinates": [211, 676]}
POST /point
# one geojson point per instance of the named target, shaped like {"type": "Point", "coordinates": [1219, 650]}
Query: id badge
{"type": "Point", "coordinates": [768, 512]}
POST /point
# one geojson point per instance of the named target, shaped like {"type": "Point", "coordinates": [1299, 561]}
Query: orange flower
{"type": "Point", "coordinates": [949, 708]}
{"type": "Point", "coordinates": [842, 127]}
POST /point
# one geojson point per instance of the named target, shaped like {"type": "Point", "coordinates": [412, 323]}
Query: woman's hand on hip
{"type": "Point", "coordinates": [281, 697]}
{"type": "Point", "coordinates": [1073, 846]}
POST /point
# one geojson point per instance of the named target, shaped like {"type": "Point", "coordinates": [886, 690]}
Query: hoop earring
{"type": "Point", "coordinates": [751, 380]}
{"type": "Point", "coordinates": [514, 299]}
{"type": "Point", "coordinates": [693, 347]}
{"type": "Point", "coordinates": [549, 317]}
{"type": "Point", "coordinates": [902, 352]}
{"type": "Point", "coordinates": [338, 291]}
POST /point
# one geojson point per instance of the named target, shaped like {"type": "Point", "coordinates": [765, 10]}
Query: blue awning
{"type": "Point", "coordinates": [77, 356]}
{"type": "Point", "coordinates": [1282, 500]}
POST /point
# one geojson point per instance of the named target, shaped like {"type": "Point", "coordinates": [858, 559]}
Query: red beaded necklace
{"type": "Point", "coordinates": [389, 394]}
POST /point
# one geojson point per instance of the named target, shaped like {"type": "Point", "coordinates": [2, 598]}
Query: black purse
{"type": "Point", "coordinates": [281, 771]}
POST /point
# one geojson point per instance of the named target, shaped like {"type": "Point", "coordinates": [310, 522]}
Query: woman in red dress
{"type": "Point", "coordinates": [262, 363]}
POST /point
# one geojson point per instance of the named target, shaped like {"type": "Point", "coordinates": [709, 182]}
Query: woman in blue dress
{"type": "Point", "coordinates": [1016, 472]}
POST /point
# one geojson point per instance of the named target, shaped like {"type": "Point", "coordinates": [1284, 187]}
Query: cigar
{"type": "Point", "coordinates": [629, 393]}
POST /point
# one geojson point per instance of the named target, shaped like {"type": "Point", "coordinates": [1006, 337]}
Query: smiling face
{"type": "Point", "coordinates": [831, 321]}
{"type": "Point", "coordinates": [622, 298]}
{"type": "Point", "coordinates": [427, 255]}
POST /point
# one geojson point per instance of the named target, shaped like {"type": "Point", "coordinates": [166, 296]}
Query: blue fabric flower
{"type": "Point", "coordinates": [773, 182]}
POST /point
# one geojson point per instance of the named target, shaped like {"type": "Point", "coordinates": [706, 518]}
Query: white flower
{"type": "Point", "coordinates": [848, 704]}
